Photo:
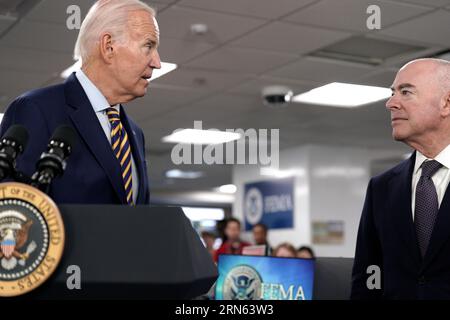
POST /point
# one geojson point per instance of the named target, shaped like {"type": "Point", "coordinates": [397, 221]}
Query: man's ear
{"type": "Point", "coordinates": [106, 47]}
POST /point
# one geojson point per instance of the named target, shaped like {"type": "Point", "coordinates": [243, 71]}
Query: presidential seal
{"type": "Point", "coordinates": [242, 283]}
{"type": "Point", "coordinates": [31, 238]}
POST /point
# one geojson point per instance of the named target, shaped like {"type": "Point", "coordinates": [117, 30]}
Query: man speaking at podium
{"type": "Point", "coordinates": [117, 44]}
{"type": "Point", "coordinates": [404, 233]}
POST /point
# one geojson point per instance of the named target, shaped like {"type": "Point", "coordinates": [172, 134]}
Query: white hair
{"type": "Point", "coordinates": [106, 16]}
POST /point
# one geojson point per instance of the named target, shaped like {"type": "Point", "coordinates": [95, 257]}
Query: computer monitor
{"type": "Point", "coordinates": [264, 278]}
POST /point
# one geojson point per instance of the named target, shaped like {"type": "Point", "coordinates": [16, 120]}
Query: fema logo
{"type": "Point", "coordinates": [254, 206]}
{"type": "Point", "coordinates": [242, 283]}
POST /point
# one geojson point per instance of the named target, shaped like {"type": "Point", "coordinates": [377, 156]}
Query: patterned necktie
{"type": "Point", "coordinates": [122, 150]}
{"type": "Point", "coordinates": [427, 204]}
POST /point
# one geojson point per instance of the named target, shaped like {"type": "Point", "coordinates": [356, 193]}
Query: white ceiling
{"type": "Point", "coordinates": [249, 44]}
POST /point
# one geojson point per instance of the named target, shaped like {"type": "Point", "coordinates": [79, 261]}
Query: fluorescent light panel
{"type": "Point", "coordinates": [344, 95]}
{"type": "Point", "coordinates": [227, 188]}
{"type": "Point", "coordinates": [196, 136]}
{"type": "Point", "coordinates": [166, 67]}
{"type": "Point", "coordinates": [277, 173]}
{"type": "Point", "coordinates": [178, 174]}
{"type": "Point", "coordinates": [199, 214]}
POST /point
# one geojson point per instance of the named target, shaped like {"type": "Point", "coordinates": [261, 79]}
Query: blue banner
{"type": "Point", "coordinates": [269, 202]}
{"type": "Point", "coordinates": [264, 278]}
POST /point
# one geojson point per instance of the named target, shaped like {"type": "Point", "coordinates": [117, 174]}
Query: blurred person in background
{"type": "Point", "coordinates": [232, 243]}
{"type": "Point", "coordinates": [285, 250]}
{"type": "Point", "coordinates": [209, 239]}
{"type": "Point", "coordinates": [260, 236]}
{"type": "Point", "coordinates": [305, 252]}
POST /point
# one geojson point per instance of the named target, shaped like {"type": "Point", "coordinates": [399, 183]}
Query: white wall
{"type": "Point", "coordinates": [330, 184]}
{"type": "Point", "coordinates": [290, 159]}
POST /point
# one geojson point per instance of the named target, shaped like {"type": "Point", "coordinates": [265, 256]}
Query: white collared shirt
{"type": "Point", "coordinates": [100, 104]}
{"type": "Point", "coordinates": [440, 179]}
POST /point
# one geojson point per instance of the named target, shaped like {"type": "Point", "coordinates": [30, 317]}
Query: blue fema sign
{"type": "Point", "coordinates": [269, 202]}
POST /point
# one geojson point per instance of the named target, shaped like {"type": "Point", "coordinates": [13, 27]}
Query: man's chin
{"type": "Point", "coordinates": [140, 93]}
{"type": "Point", "coordinates": [398, 136]}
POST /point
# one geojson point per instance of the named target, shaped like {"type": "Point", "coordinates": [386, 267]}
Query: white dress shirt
{"type": "Point", "coordinates": [440, 179]}
{"type": "Point", "coordinates": [100, 104]}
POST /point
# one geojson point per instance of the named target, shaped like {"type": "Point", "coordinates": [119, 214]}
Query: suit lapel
{"type": "Point", "coordinates": [137, 153]}
{"type": "Point", "coordinates": [87, 124]}
{"type": "Point", "coordinates": [400, 202]}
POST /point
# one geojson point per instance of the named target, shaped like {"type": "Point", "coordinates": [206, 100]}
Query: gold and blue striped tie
{"type": "Point", "coordinates": [122, 150]}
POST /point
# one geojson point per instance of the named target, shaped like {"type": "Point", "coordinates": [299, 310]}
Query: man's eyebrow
{"type": "Point", "coordinates": [403, 86]}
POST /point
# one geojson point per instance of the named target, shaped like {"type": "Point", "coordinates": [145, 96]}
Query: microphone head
{"type": "Point", "coordinates": [17, 133]}
{"type": "Point", "coordinates": [66, 134]}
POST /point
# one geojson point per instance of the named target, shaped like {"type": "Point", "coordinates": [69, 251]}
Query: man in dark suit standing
{"type": "Point", "coordinates": [117, 44]}
{"type": "Point", "coordinates": [405, 224]}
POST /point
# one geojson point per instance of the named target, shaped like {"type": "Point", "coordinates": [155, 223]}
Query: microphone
{"type": "Point", "coordinates": [12, 144]}
{"type": "Point", "coordinates": [52, 163]}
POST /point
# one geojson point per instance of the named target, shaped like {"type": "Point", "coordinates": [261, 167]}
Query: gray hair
{"type": "Point", "coordinates": [106, 16]}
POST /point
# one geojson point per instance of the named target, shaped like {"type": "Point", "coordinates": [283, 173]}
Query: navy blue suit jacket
{"type": "Point", "coordinates": [387, 238]}
{"type": "Point", "coordinates": [93, 173]}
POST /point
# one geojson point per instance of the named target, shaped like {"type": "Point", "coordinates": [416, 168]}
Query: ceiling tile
{"type": "Point", "coordinates": [160, 101]}
{"type": "Point", "coordinates": [56, 11]}
{"type": "Point", "coordinates": [351, 14]}
{"type": "Point", "coordinates": [431, 28]}
{"type": "Point", "coordinates": [381, 78]}
{"type": "Point", "coordinates": [431, 3]}
{"type": "Point", "coordinates": [289, 38]}
{"type": "Point", "coordinates": [197, 79]}
{"type": "Point", "coordinates": [256, 8]}
{"type": "Point", "coordinates": [40, 36]}
{"type": "Point", "coordinates": [176, 22]}
{"type": "Point", "coordinates": [217, 107]}
{"type": "Point", "coordinates": [254, 87]}
{"type": "Point", "coordinates": [33, 60]}
{"type": "Point", "coordinates": [181, 50]}
{"type": "Point", "coordinates": [322, 70]}
{"type": "Point", "coordinates": [5, 23]}
{"type": "Point", "coordinates": [241, 60]}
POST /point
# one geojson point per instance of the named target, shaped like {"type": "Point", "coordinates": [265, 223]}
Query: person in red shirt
{"type": "Point", "coordinates": [232, 243]}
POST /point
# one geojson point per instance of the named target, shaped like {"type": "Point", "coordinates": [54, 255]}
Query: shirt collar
{"type": "Point", "coordinates": [96, 98]}
{"type": "Point", "coordinates": [443, 158]}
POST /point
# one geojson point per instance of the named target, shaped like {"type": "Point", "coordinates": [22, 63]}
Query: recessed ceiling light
{"type": "Point", "coordinates": [344, 95]}
{"type": "Point", "coordinates": [178, 174]}
{"type": "Point", "coordinates": [227, 188]}
{"type": "Point", "coordinates": [200, 214]}
{"type": "Point", "coordinates": [278, 173]}
{"type": "Point", "coordinates": [197, 136]}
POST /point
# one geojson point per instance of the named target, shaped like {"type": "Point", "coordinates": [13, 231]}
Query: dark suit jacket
{"type": "Point", "coordinates": [93, 173]}
{"type": "Point", "coordinates": [387, 238]}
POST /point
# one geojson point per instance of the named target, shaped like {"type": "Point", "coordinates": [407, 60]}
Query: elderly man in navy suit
{"type": "Point", "coordinates": [117, 44]}
{"type": "Point", "coordinates": [405, 223]}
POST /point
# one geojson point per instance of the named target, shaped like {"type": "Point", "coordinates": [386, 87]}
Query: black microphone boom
{"type": "Point", "coordinates": [12, 144]}
{"type": "Point", "coordinates": [53, 162]}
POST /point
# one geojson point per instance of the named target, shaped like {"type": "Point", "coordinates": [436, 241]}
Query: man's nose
{"type": "Point", "coordinates": [155, 62]}
{"type": "Point", "coordinates": [392, 103]}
